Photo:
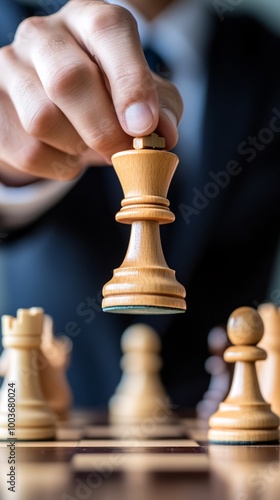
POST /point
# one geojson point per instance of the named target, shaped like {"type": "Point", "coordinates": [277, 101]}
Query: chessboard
{"type": "Point", "coordinates": [141, 448]}
{"type": "Point", "coordinates": [91, 459]}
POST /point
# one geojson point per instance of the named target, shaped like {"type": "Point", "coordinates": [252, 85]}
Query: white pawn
{"type": "Point", "coordinates": [140, 393]}
{"type": "Point", "coordinates": [219, 371]}
{"type": "Point", "coordinates": [21, 393]}
{"type": "Point", "coordinates": [269, 370]}
{"type": "Point", "coordinates": [244, 416]}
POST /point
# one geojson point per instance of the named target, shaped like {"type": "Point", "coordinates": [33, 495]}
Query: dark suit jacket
{"type": "Point", "coordinates": [222, 244]}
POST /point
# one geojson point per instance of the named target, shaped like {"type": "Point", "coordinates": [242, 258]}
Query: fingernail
{"type": "Point", "coordinates": [139, 117]}
{"type": "Point", "coordinates": [170, 116]}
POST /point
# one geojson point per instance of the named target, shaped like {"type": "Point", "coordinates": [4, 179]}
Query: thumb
{"type": "Point", "coordinates": [109, 34]}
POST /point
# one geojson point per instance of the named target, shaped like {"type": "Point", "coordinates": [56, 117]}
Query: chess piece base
{"type": "Point", "coordinates": [142, 309]}
{"type": "Point", "coordinates": [246, 436]}
{"type": "Point", "coordinates": [29, 434]}
{"type": "Point", "coordinates": [123, 410]}
{"type": "Point", "coordinates": [240, 425]}
{"type": "Point", "coordinates": [151, 288]}
{"type": "Point", "coordinates": [34, 422]}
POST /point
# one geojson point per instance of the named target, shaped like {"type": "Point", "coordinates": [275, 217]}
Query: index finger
{"type": "Point", "coordinates": [110, 36]}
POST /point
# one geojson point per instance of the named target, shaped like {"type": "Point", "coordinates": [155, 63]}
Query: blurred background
{"type": "Point", "coordinates": [267, 10]}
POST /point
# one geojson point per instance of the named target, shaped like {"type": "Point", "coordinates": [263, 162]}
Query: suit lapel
{"type": "Point", "coordinates": [232, 98]}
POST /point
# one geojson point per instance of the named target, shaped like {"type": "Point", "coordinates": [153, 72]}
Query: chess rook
{"type": "Point", "coordinates": [144, 283]}
{"type": "Point", "coordinates": [22, 338]}
{"type": "Point", "coordinates": [244, 417]}
{"type": "Point", "coordinates": [53, 361]}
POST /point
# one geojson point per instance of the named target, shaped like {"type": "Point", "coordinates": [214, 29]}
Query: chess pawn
{"type": "Point", "coordinates": [244, 416]}
{"type": "Point", "coordinates": [56, 357]}
{"type": "Point", "coordinates": [144, 283]}
{"type": "Point", "coordinates": [219, 371]}
{"type": "Point", "coordinates": [140, 393]}
{"type": "Point", "coordinates": [33, 418]}
{"type": "Point", "coordinates": [269, 370]}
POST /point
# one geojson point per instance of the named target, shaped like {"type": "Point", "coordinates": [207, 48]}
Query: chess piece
{"type": "Point", "coordinates": [52, 361]}
{"type": "Point", "coordinates": [140, 394]}
{"type": "Point", "coordinates": [33, 418]}
{"type": "Point", "coordinates": [269, 370]}
{"type": "Point", "coordinates": [244, 416]}
{"type": "Point", "coordinates": [220, 374]}
{"type": "Point", "coordinates": [4, 360]}
{"type": "Point", "coordinates": [143, 283]}
{"type": "Point", "coordinates": [56, 356]}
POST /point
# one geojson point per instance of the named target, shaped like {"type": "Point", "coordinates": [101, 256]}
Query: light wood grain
{"type": "Point", "coordinates": [22, 337]}
{"type": "Point", "coordinates": [140, 395]}
{"type": "Point", "coordinates": [55, 361]}
{"type": "Point", "coordinates": [244, 416]}
{"type": "Point", "coordinates": [269, 370]}
{"type": "Point", "coordinates": [144, 283]}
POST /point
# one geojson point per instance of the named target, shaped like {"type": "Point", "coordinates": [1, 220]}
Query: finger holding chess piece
{"type": "Point", "coordinates": [244, 417]}
{"type": "Point", "coordinates": [144, 284]}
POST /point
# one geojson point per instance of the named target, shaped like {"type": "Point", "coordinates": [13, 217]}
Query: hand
{"type": "Point", "coordinates": [75, 88]}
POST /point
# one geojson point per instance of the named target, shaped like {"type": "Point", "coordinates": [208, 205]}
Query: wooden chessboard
{"type": "Point", "coordinates": [92, 460]}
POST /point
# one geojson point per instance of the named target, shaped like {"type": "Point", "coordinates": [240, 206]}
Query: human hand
{"type": "Point", "coordinates": [75, 88]}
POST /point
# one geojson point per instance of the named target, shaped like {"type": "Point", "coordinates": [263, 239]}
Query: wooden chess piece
{"type": "Point", "coordinates": [51, 363]}
{"type": "Point", "coordinates": [244, 417]}
{"type": "Point", "coordinates": [140, 394]}
{"type": "Point", "coordinates": [4, 360]}
{"type": "Point", "coordinates": [220, 372]}
{"type": "Point", "coordinates": [144, 283]}
{"type": "Point", "coordinates": [269, 370]}
{"type": "Point", "coordinates": [33, 418]}
{"type": "Point", "coordinates": [56, 353]}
